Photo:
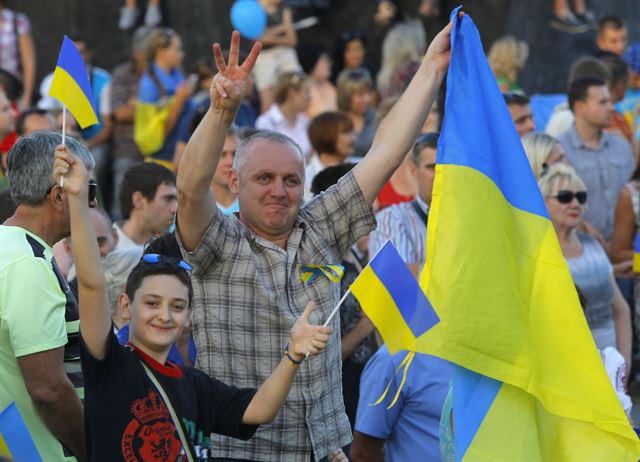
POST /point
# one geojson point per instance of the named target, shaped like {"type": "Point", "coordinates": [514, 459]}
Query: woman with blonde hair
{"type": "Point", "coordinates": [163, 104]}
{"type": "Point", "coordinates": [402, 49]}
{"type": "Point", "coordinates": [286, 115]}
{"type": "Point", "coordinates": [607, 313]}
{"type": "Point", "coordinates": [355, 89]}
{"type": "Point", "coordinates": [507, 57]}
{"type": "Point", "coordinates": [543, 151]}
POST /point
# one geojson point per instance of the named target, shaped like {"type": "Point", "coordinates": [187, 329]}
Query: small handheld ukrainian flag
{"type": "Point", "coordinates": [636, 254]}
{"type": "Point", "coordinates": [70, 85]}
{"type": "Point", "coordinates": [391, 297]}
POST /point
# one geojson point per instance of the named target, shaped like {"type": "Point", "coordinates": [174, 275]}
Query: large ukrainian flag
{"type": "Point", "coordinates": [530, 385]}
{"type": "Point", "coordinates": [70, 85]}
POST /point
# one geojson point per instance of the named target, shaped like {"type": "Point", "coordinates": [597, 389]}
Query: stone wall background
{"type": "Point", "coordinates": [201, 22]}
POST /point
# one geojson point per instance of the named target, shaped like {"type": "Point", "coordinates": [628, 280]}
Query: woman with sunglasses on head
{"type": "Point", "coordinates": [606, 310]}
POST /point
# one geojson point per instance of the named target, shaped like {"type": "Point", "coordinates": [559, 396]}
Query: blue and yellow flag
{"type": "Point", "coordinates": [391, 297]}
{"type": "Point", "coordinates": [332, 272]}
{"type": "Point", "coordinates": [530, 384]}
{"type": "Point", "coordinates": [636, 254]}
{"type": "Point", "coordinates": [70, 85]}
{"type": "Point", "coordinates": [15, 441]}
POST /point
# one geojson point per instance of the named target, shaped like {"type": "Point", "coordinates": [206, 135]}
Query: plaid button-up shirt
{"type": "Point", "coordinates": [248, 293]}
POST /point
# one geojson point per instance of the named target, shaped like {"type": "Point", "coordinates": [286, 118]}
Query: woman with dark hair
{"type": "Point", "coordinates": [331, 136]}
{"type": "Point", "coordinates": [349, 52]}
{"type": "Point", "coordinates": [315, 61]}
{"type": "Point", "coordinates": [162, 112]}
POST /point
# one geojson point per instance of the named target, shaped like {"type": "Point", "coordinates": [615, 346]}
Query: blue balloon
{"type": "Point", "coordinates": [248, 17]}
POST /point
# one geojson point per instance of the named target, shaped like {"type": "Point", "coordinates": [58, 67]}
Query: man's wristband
{"type": "Point", "coordinates": [292, 361]}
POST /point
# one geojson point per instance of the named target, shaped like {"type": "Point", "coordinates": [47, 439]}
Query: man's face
{"type": "Point", "coordinates": [613, 40]}
{"type": "Point", "coordinates": [221, 175]}
{"type": "Point", "coordinates": [425, 172]}
{"type": "Point", "coordinates": [105, 234]}
{"type": "Point", "coordinates": [35, 122]}
{"type": "Point", "coordinates": [597, 108]}
{"type": "Point", "coordinates": [522, 118]}
{"type": "Point", "coordinates": [270, 187]}
{"type": "Point", "coordinates": [7, 118]}
{"type": "Point", "coordinates": [159, 213]}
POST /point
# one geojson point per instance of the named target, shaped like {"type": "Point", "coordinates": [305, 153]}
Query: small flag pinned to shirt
{"type": "Point", "coordinates": [309, 272]}
{"type": "Point", "coordinates": [70, 85]}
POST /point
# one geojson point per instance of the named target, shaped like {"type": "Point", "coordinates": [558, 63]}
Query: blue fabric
{"type": "Point", "coordinates": [477, 116]}
{"type": "Point", "coordinates": [246, 116]}
{"type": "Point", "coordinates": [99, 79]}
{"type": "Point", "coordinates": [150, 93]}
{"type": "Point", "coordinates": [70, 60]}
{"type": "Point", "coordinates": [542, 107]}
{"type": "Point", "coordinates": [234, 207]}
{"type": "Point", "coordinates": [473, 395]}
{"type": "Point", "coordinates": [411, 427]}
{"type": "Point", "coordinates": [174, 354]}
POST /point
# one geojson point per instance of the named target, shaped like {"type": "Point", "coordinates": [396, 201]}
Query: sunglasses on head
{"type": "Point", "coordinates": [565, 197]}
{"type": "Point", "coordinates": [91, 193]}
{"type": "Point", "coordinates": [155, 258]}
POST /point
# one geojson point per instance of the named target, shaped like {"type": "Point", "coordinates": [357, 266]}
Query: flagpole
{"type": "Point", "coordinates": [64, 131]}
{"type": "Point", "coordinates": [335, 310]}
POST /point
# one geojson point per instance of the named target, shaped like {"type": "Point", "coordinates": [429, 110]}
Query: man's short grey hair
{"type": "Point", "coordinates": [263, 135]}
{"type": "Point", "coordinates": [30, 165]}
{"type": "Point", "coordinates": [117, 266]}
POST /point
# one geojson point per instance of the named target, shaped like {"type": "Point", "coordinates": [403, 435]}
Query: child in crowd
{"type": "Point", "coordinates": [138, 406]}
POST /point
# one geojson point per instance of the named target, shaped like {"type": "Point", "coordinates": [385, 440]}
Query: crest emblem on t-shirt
{"type": "Point", "coordinates": [151, 435]}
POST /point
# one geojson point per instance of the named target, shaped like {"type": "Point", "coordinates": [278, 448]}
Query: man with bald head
{"type": "Point", "coordinates": [248, 287]}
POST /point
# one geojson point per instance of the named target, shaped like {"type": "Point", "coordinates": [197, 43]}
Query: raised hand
{"type": "Point", "coordinates": [439, 51]}
{"type": "Point", "coordinates": [307, 339]}
{"type": "Point", "coordinates": [229, 85]}
{"type": "Point", "coordinates": [76, 177]}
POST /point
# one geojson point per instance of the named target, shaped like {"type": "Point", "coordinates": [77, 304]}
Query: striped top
{"type": "Point", "coordinates": [405, 228]}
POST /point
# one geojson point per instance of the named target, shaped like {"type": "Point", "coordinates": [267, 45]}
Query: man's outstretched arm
{"type": "Point", "coordinates": [401, 126]}
{"type": "Point", "coordinates": [202, 153]}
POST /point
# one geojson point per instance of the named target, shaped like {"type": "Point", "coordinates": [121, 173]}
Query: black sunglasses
{"type": "Point", "coordinates": [155, 258]}
{"type": "Point", "coordinates": [91, 193]}
{"type": "Point", "coordinates": [565, 197]}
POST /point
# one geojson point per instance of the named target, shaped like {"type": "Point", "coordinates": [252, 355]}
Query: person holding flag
{"type": "Point", "coordinates": [246, 268]}
{"type": "Point", "coordinates": [528, 383]}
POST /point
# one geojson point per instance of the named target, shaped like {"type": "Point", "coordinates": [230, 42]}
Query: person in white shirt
{"type": "Point", "coordinates": [148, 201]}
{"type": "Point", "coordinates": [287, 115]}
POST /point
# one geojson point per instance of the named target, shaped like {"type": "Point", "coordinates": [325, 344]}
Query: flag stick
{"type": "Point", "coordinates": [64, 131]}
{"type": "Point", "coordinates": [335, 310]}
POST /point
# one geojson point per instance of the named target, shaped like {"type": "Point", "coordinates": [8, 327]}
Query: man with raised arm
{"type": "Point", "coordinates": [246, 267]}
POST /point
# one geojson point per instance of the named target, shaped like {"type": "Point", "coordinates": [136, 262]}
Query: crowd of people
{"type": "Point", "coordinates": [152, 302]}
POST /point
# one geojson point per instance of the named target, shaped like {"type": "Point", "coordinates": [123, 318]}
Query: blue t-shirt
{"type": "Point", "coordinates": [150, 93]}
{"type": "Point", "coordinates": [99, 81]}
{"type": "Point", "coordinates": [233, 208]}
{"type": "Point", "coordinates": [174, 354]}
{"type": "Point", "coordinates": [411, 427]}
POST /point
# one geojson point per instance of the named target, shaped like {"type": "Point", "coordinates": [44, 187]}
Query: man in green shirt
{"type": "Point", "coordinates": [34, 298]}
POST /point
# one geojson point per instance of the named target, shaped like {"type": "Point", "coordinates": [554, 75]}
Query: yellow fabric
{"type": "Point", "coordinates": [4, 450]}
{"type": "Point", "coordinates": [69, 93]}
{"type": "Point", "coordinates": [636, 262]}
{"type": "Point", "coordinates": [377, 303]}
{"type": "Point", "coordinates": [509, 310]}
{"type": "Point", "coordinates": [148, 127]}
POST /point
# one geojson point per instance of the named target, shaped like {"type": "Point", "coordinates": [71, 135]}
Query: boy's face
{"type": "Point", "coordinates": [158, 313]}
